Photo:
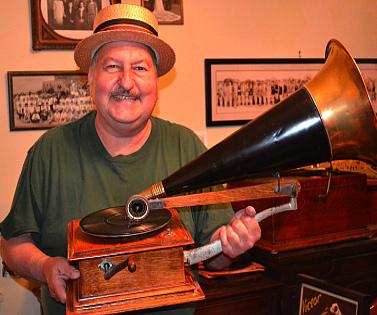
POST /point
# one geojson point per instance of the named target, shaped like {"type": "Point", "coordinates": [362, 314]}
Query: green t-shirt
{"type": "Point", "coordinates": [68, 174]}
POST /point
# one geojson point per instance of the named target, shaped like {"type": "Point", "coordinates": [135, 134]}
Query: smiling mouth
{"type": "Point", "coordinates": [123, 97]}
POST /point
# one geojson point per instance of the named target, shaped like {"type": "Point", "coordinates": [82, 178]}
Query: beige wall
{"type": "Point", "coordinates": [212, 29]}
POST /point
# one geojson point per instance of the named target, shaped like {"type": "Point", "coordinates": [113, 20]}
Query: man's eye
{"type": "Point", "coordinates": [140, 68]}
{"type": "Point", "coordinates": [111, 67]}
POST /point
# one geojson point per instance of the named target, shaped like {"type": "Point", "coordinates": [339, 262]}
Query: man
{"type": "Point", "coordinates": [110, 154]}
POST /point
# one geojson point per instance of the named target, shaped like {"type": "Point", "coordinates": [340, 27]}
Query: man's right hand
{"type": "Point", "coordinates": [25, 259]}
{"type": "Point", "coordinates": [57, 271]}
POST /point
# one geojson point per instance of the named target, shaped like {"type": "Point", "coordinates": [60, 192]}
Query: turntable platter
{"type": "Point", "coordinates": [112, 223]}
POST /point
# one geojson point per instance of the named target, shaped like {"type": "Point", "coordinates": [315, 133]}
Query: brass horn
{"type": "Point", "coordinates": [341, 97]}
{"type": "Point", "coordinates": [331, 118]}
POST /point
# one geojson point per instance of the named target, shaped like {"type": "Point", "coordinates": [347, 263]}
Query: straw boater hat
{"type": "Point", "coordinates": [125, 22]}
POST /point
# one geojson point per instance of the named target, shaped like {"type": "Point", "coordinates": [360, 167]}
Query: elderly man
{"type": "Point", "coordinates": [108, 155]}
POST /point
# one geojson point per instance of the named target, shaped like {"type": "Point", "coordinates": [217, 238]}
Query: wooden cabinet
{"type": "Point", "coordinates": [351, 264]}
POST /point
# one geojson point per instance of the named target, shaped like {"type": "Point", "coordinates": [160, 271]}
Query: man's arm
{"type": "Point", "coordinates": [237, 237]}
{"type": "Point", "coordinates": [25, 259]}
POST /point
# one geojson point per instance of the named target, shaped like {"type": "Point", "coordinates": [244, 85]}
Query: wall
{"type": "Point", "coordinates": [212, 29]}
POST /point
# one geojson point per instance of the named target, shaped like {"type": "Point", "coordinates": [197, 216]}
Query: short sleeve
{"type": "Point", "coordinates": [24, 216]}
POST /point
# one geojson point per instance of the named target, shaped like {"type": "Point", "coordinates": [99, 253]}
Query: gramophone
{"type": "Point", "coordinates": [135, 257]}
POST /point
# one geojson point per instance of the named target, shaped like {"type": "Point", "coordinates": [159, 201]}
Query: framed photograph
{"type": "Point", "coordinates": [61, 24]}
{"type": "Point", "coordinates": [239, 90]}
{"type": "Point", "coordinates": [45, 99]}
{"type": "Point", "coordinates": [166, 11]}
{"type": "Point", "coordinates": [319, 297]}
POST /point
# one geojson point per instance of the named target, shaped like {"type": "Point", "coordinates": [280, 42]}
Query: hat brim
{"type": "Point", "coordinates": [164, 53]}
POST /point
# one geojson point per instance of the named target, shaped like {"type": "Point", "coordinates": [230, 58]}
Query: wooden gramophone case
{"type": "Point", "coordinates": [347, 212]}
{"type": "Point", "coordinates": [155, 277]}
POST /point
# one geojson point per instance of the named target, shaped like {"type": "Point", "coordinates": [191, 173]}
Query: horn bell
{"type": "Point", "coordinates": [341, 97]}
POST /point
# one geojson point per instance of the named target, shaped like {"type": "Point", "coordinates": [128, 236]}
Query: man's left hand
{"type": "Point", "coordinates": [240, 234]}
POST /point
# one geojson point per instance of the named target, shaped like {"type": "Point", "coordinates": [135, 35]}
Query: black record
{"type": "Point", "coordinates": [113, 222]}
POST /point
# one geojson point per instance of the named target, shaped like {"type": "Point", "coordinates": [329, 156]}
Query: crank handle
{"type": "Point", "coordinates": [110, 269]}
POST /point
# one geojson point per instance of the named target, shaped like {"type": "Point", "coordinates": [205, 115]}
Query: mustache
{"type": "Point", "coordinates": [123, 92]}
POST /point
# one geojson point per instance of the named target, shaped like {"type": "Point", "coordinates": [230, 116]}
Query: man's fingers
{"type": "Point", "coordinates": [69, 272]}
{"type": "Point", "coordinates": [75, 274]}
{"type": "Point", "coordinates": [58, 290]}
{"type": "Point", "coordinates": [58, 271]}
{"type": "Point", "coordinates": [249, 211]}
{"type": "Point", "coordinates": [241, 233]}
{"type": "Point", "coordinates": [230, 241]}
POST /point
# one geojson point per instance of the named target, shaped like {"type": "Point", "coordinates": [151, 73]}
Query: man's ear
{"type": "Point", "coordinates": [90, 75]}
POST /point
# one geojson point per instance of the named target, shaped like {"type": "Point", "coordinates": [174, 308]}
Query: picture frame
{"type": "Point", "coordinates": [54, 30]}
{"type": "Point", "coordinates": [239, 90]}
{"type": "Point", "coordinates": [46, 99]}
{"type": "Point", "coordinates": [55, 27]}
{"type": "Point", "coordinates": [320, 297]}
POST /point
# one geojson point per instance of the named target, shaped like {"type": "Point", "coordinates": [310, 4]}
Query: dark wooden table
{"type": "Point", "coordinates": [241, 294]}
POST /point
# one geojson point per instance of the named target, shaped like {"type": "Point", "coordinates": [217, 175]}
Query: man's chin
{"type": "Point", "coordinates": [127, 122]}
{"type": "Point", "coordinates": [125, 118]}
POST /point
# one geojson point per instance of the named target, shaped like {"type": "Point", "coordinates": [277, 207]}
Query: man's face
{"type": "Point", "coordinates": [123, 85]}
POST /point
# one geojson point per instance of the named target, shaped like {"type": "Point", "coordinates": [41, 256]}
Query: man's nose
{"type": "Point", "coordinates": [127, 79]}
